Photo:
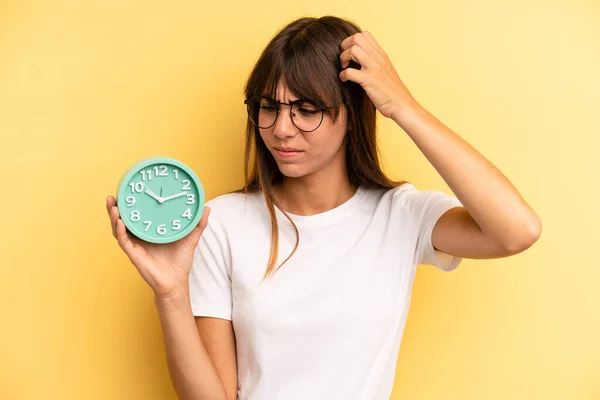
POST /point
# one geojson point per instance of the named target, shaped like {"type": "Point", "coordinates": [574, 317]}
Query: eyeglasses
{"type": "Point", "coordinates": [305, 115]}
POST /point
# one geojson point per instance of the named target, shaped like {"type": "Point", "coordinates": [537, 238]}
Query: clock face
{"type": "Point", "coordinates": [160, 200]}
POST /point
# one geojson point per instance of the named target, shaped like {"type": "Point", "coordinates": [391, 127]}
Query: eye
{"type": "Point", "coordinates": [308, 111]}
{"type": "Point", "coordinates": [267, 106]}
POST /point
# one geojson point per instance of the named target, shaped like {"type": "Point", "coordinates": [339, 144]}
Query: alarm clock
{"type": "Point", "coordinates": [160, 200]}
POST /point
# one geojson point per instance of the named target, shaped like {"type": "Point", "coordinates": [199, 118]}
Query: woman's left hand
{"type": "Point", "coordinates": [377, 75]}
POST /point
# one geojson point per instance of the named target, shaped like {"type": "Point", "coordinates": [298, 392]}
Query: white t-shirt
{"type": "Point", "coordinates": [329, 322]}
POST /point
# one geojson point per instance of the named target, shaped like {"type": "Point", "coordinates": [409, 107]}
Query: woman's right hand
{"type": "Point", "coordinates": [165, 267]}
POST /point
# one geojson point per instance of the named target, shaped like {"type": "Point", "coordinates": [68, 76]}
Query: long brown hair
{"type": "Point", "coordinates": [306, 54]}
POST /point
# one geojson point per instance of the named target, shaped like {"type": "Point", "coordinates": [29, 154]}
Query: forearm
{"type": "Point", "coordinates": [493, 202]}
{"type": "Point", "coordinates": [190, 367]}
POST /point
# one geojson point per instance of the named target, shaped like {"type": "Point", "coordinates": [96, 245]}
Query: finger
{"type": "Point", "coordinates": [110, 201]}
{"type": "Point", "coordinates": [123, 239]}
{"type": "Point", "coordinates": [204, 220]}
{"type": "Point", "coordinates": [114, 217]}
{"type": "Point", "coordinates": [348, 42]}
{"type": "Point", "coordinates": [354, 75]}
{"type": "Point", "coordinates": [359, 39]}
{"type": "Point", "coordinates": [357, 54]}
{"type": "Point", "coordinates": [197, 232]}
{"type": "Point", "coordinates": [371, 39]}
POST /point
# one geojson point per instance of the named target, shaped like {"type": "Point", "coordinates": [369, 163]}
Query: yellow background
{"type": "Point", "coordinates": [89, 87]}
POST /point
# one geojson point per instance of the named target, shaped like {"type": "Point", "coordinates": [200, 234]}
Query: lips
{"type": "Point", "coordinates": [287, 149]}
{"type": "Point", "coordinates": [287, 152]}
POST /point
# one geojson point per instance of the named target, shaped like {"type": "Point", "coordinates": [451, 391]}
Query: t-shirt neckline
{"type": "Point", "coordinates": [325, 218]}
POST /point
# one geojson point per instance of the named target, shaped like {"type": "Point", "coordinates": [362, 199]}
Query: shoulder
{"type": "Point", "coordinates": [414, 200]}
{"type": "Point", "coordinates": [235, 208]}
{"type": "Point", "coordinates": [228, 201]}
{"type": "Point", "coordinates": [397, 196]}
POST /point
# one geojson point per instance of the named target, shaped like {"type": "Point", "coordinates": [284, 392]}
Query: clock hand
{"type": "Point", "coordinates": [153, 195]}
{"type": "Point", "coordinates": [174, 196]}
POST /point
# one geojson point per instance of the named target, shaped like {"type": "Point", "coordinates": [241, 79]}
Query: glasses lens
{"type": "Point", "coordinates": [262, 113]}
{"type": "Point", "coordinates": [267, 113]}
{"type": "Point", "coordinates": [306, 116]}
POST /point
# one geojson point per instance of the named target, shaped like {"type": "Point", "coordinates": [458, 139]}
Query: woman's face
{"type": "Point", "coordinates": [308, 152]}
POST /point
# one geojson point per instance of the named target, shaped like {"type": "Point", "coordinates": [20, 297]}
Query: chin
{"type": "Point", "coordinates": [292, 170]}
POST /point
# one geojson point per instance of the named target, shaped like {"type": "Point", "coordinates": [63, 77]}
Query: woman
{"type": "Point", "coordinates": [298, 286]}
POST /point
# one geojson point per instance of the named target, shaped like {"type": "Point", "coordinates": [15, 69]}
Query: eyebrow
{"type": "Point", "coordinates": [298, 101]}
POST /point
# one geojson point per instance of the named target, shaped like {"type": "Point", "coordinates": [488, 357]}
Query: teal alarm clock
{"type": "Point", "coordinates": [160, 200]}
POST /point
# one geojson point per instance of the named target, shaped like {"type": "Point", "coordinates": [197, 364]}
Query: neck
{"type": "Point", "coordinates": [315, 193]}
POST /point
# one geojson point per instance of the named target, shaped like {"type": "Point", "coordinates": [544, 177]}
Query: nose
{"type": "Point", "coordinates": [284, 127]}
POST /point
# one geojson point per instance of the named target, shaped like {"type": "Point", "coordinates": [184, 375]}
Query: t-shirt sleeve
{"type": "Point", "coordinates": [210, 277]}
{"type": "Point", "coordinates": [427, 207]}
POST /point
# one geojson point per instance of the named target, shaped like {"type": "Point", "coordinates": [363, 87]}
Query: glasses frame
{"type": "Point", "coordinates": [278, 104]}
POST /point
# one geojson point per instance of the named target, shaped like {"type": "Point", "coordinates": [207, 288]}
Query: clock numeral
{"type": "Point", "coordinates": [176, 173]}
{"type": "Point", "coordinates": [186, 184]}
{"type": "Point", "coordinates": [148, 173]}
{"type": "Point", "coordinates": [130, 200]}
{"type": "Point", "coordinates": [136, 187]}
{"type": "Point", "coordinates": [148, 223]}
{"type": "Point", "coordinates": [190, 199]}
{"type": "Point", "coordinates": [161, 230]}
{"type": "Point", "coordinates": [162, 172]}
{"type": "Point", "coordinates": [176, 225]}
{"type": "Point", "coordinates": [187, 214]}
{"type": "Point", "coordinates": [135, 215]}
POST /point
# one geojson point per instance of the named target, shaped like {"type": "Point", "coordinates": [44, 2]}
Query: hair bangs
{"type": "Point", "coordinates": [311, 75]}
